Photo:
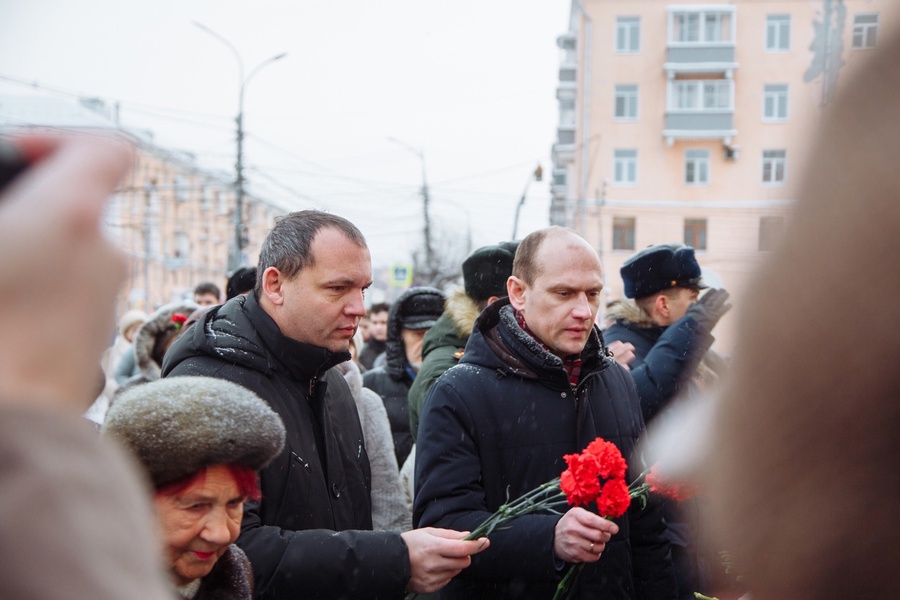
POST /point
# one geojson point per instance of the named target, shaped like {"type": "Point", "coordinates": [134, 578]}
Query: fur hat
{"type": "Point", "coordinates": [156, 334]}
{"type": "Point", "coordinates": [130, 318]}
{"type": "Point", "coordinates": [418, 308]}
{"type": "Point", "coordinates": [180, 425]}
{"type": "Point", "coordinates": [486, 270]}
{"type": "Point", "coordinates": [660, 267]}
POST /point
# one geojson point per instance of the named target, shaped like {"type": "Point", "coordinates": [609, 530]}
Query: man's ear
{"type": "Point", "coordinates": [661, 306]}
{"type": "Point", "coordinates": [272, 286]}
{"type": "Point", "coordinates": [516, 288]}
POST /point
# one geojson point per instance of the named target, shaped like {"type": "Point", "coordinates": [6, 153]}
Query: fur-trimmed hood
{"type": "Point", "coordinates": [155, 329]}
{"type": "Point", "coordinates": [628, 311]}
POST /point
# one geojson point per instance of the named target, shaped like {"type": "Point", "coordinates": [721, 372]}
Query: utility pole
{"type": "Point", "coordinates": [429, 251]}
{"type": "Point", "coordinates": [537, 174]}
{"type": "Point", "coordinates": [235, 253]}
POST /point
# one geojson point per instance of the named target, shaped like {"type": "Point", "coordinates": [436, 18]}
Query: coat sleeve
{"type": "Point", "coordinates": [669, 364]}
{"type": "Point", "coordinates": [434, 365]}
{"type": "Point", "coordinates": [449, 493]}
{"type": "Point", "coordinates": [318, 563]}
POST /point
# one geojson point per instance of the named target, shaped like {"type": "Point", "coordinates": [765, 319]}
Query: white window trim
{"type": "Point", "coordinates": [787, 104]}
{"type": "Point", "coordinates": [616, 49]}
{"type": "Point", "coordinates": [774, 161]}
{"type": "Point", "coordinates": [625, 162]}
{"type": "Point", "coordinates": [670, 96]}
{"type": "Point", "coordinates": [700, 9]}
{"type": "Point", "coordinates": [637, 103]}
{"type": "Point", "coordinates": [876, 26]}
{"type": "Point", "coordinates": [777, 50]}
{"type": "Point", "coordinates": [707, 159]}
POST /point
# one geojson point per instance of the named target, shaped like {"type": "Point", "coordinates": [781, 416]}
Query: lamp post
{"type": "Point", "coordinates": [237, 245]}
{"type": "Point", "coordinates": [429, 252]}
{"type": "Point", "coordinates": [536, 174]}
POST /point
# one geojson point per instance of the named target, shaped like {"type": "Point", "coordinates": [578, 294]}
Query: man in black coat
{"type": "Point", "coordinates": [671, 334]}
{"type": "Point", "coordinates": [308, 537]}
{"type": "Point", "coordinates": [536, 383]}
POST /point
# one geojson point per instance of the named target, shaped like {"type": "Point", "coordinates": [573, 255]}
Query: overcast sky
{"type": "Point", "coordinates": [471, 83]}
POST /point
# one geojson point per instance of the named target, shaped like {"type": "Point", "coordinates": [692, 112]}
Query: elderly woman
{"type": "Point", "coordinates": [201, 441]}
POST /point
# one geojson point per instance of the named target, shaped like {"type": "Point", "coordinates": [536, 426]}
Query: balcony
{"type": "Point", "coordinates": [699, 109]}
{"type": "Point", "coordinates": [701, 40]}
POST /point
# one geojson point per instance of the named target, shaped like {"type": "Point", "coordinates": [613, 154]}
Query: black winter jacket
{"type": "Point", "coordinates": [320, 483]}
{"type": "Point", "coordinates": [496, 426]}
{"type": "Point", "coordinates": [665, 358]}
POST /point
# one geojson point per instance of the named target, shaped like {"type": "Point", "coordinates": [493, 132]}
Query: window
{"type": "Point", "coordinates": [773, 166]}
{"type": "Point", "coordinates": [699, 27]}
{"type": "Point", "coordinates": [626, 102]}
{"type": "Point", "coordinates": [775, 99]}
{"type": "Point", "coordinates": [778, 33]}
{"type": "Point", "coordinates": [695, 233]}
{"type": "Point", "coordinates": [567, 112]}
{"type": "Point", "coordinates": [865, 30]}
{"type": "Point", "coordinates": [770, 230]}
{"type": "Point", "coordinates": [623, 233]}
{"type": "Point", "coordinates": [625, 167]}
{"type": "Point", "coordinates": [696, 167]}
{"type": "Point", "coordinates": [701, 95]}
{"type": "Point", "coordinates": [628, 35]}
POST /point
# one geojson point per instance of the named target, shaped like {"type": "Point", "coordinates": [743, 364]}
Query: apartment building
{"type": "Point", "coordinates": [173, 219]}
{"type": "Point", "coordinates": [691, 122]}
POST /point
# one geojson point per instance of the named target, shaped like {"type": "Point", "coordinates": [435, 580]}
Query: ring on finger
{"type": "Point", "coordinates": [592, 547]}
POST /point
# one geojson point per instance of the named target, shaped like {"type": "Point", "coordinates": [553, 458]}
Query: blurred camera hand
{"type": "Point", "coordinates": [709, 309]}
{"type": "Point", "coordinates": [59, 275]}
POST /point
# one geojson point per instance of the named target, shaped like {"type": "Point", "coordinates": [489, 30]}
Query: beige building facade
{"type": "Point", "coordinates": [691, 122]}
{"type": "Point", "coordinates": [173, 219]}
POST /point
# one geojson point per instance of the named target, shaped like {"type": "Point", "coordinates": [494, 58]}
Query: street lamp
{"type": "Point", "coordinates": [429, 253]}
{"type": "Point", "coordinates": [237, 246]}
{"type": "Point", "coordinates": [538, 172]}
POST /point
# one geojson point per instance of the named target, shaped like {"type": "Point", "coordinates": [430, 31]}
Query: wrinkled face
{"type": "Point", "coordinates": [412, 344]}
{"type": "Point", "coordinates": [199, 523]}
{"type": "Point", "coordinates": [206, 299]}
{"type": "Point", "coordinates": [679, 304]}
{"type": "Point", "coordinates": [378, 325]}
{"type": "Point", "coordinates": [322, 304]}
{"type": "Point", "coordinates": [561, 304]}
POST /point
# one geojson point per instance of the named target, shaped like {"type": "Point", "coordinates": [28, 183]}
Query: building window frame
{"type": "Point", "coordinates": [625, 167]}
{"type": "Point", "coordinates": [623, 233]}
{"type": "Point", "coordinates": [774, 167]}
{"type": "Point", "coordinates": [696, 166]}
{"type": "Point", "coordinates": [778, 33]}
{"type": "Point", "coordinates": [626, 102]}
{"type": "Point", "coordinates": [705, 26]}
{"type": "Point", "coordinates": [700, 95]}
{"type": "Point", "coordinates": [628, 35]}
{"type": "Point", "coordinates": [865, 31]}
{"type": "Point", "coordinates": [775, 102]}
{"type": "Point", "coordinates": [696, 233]}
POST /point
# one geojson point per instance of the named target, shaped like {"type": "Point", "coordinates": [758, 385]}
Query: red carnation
{"type": "Point", "coordinates": [615, 499]}
{"type": "Point", "coordinates": [669, 489]}
{"type": "Point", "coordinates": [580, 481]}
{"type": "Point", "coordinates": [178, 318]}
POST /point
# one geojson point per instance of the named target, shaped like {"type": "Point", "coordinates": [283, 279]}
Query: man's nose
{"type": "Point", "coordinates": [582, 308]}
{"type": "Point", "coordinates": [357, 305]}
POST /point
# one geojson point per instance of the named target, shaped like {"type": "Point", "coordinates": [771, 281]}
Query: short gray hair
{"type": "Point", "coordinates": [288, 245]}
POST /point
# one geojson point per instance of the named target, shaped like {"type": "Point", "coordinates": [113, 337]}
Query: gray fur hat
{"type": "Point", "coordinates": [180, 425]}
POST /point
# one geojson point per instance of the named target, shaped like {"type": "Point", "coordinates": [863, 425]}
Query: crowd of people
{"type": "Point", "coordinates": [256, 446]}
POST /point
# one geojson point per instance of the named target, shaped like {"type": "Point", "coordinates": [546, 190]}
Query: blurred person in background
{"type": "Point", "coordinates": [207, 294]}
{"type": "Point", "coordinates": [412, 314]}
{"type": "Point", "coordinates": [128, 325]}
{"type": "Point", "coordinates": [377, 342]}
{"type": "Point", "coordinates": [201, 442]}
{"type": "Point", "coordinates": [75, 519]}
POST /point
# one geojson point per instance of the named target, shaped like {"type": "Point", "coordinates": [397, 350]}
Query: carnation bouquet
{"type": "Point", "coordinates": [596, 475]}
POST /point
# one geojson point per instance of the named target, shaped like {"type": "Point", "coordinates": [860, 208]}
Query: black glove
{"type": "Point", "coordinates": [709, 309]}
